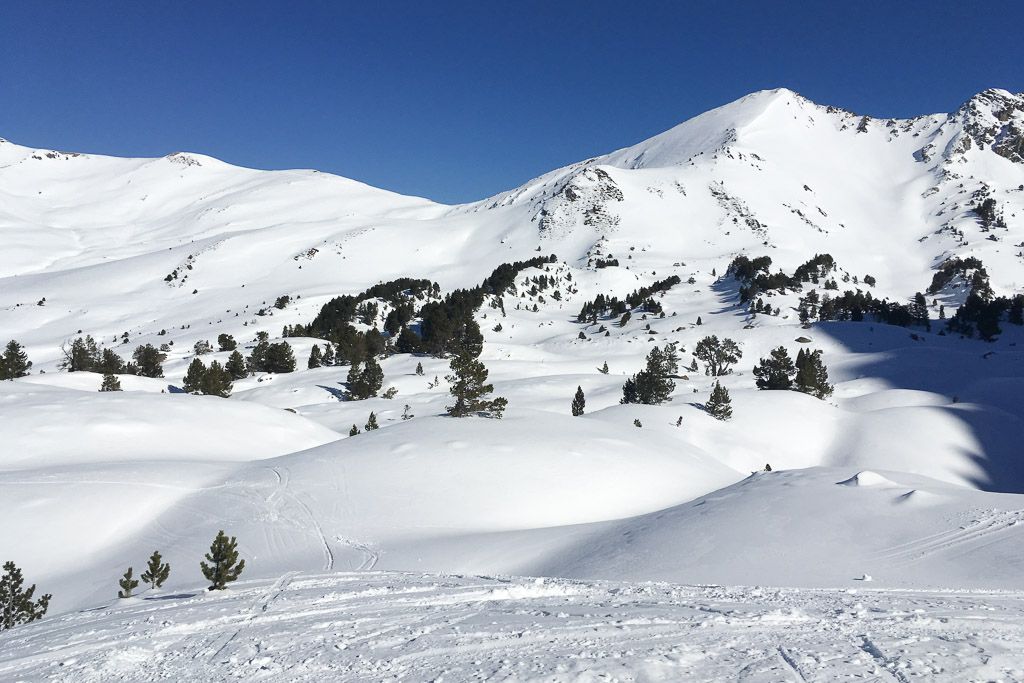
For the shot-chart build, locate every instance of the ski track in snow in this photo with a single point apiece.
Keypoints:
(392, 626)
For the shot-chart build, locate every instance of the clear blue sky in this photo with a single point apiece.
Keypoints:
(458, 100)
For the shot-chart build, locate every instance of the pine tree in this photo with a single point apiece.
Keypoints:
(14, 362)
(216, 381)
(653, 384)
(194, 376)
(156, 572)
(469, 387)
(110, 383)
(110, 363)
(719, 406)
(16, 604)
(406, 414)
(776, 372)
(812, 375)
(236, 365)
(919, 311)
(81, 356)
(718, 356)
(328, 359)
(315, 357)
(226, 342)
(149, 361)
(127, 584)
(604, 368)
(371, 422)
(224, 565)
(578, 402)
(419, 369)
(279, 358)
(354, 431)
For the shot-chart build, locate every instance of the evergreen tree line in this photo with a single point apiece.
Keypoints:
(607, 306)
(85, 355)
(446, 325)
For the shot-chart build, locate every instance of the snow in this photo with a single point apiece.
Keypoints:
(909, 476)
(397, 626)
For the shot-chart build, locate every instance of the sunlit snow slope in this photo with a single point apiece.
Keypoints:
(183, 248)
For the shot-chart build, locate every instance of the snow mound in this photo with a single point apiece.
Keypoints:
(867, 478)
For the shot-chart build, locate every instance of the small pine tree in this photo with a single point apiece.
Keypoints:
(193, 381)
(14, 362)
(637, 423)
(469, 387)
(226, 342)
(316, 358)
(579, 402)
(328, 359)
(236, 365)
(224, 565)
(776, 372)
(812, 375)
(110, 383)
(371, 422)
(719, 406)
(127, 584)
(604, 368)
(16, 604)
(157, 571)
(406, 414)
(419, 369)
(149, 361)
(216, 381)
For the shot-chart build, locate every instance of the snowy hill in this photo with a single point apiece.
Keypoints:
(910, 472)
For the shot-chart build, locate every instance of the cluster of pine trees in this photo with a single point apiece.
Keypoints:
(215, 380)
(807, 375)
(266, 357)
(85, 355)
(14, 362)
(607, 306)
(220, 567)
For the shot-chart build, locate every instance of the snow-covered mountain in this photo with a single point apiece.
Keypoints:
(910, 472)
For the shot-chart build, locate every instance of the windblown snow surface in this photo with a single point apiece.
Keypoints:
(889, 529)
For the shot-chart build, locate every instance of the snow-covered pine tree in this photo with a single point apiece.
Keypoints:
(371, 422)
(224, 565)
(157, 571)
(315, 357)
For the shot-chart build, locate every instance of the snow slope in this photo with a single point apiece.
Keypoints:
(393, 626)
(923, 431)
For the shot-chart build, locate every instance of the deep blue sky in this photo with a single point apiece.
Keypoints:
(458, 100)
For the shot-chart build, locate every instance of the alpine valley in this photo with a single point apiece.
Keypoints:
(779, 345)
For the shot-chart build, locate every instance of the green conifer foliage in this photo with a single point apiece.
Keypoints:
(222, 565)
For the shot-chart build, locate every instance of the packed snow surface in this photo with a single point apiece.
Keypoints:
(384, 626)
